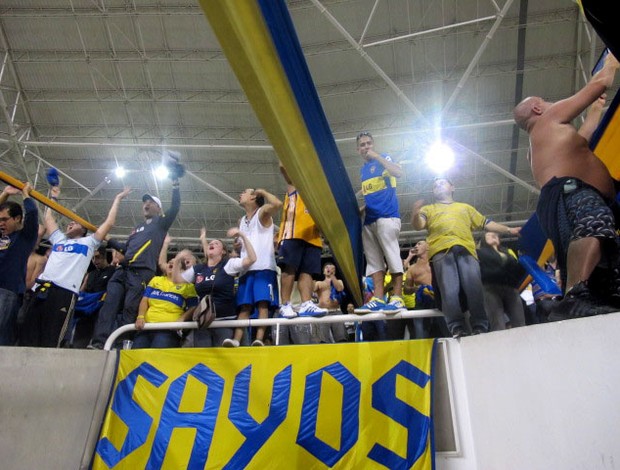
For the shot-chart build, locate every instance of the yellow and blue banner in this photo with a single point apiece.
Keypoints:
(356, 405)
(260, 42)
(605, 142)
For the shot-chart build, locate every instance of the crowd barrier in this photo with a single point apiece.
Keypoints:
(344, 318)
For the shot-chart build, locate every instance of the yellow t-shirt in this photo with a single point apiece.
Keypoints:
(167, 300)
(451, 224)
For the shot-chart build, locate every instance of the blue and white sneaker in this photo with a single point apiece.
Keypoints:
(310, 309)
(286, 311)
(395, 305)
(374, 305)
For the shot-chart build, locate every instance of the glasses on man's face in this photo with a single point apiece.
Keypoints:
(5, 219)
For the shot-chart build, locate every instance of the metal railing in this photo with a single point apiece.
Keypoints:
(343, 318)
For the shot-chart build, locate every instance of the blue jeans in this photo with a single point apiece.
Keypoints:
(9, 306)
(374, 330)
(156, 339)
(457, 270)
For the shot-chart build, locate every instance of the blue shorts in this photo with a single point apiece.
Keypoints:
(300, 255)
(258, 286)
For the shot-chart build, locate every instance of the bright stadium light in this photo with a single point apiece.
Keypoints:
(440, 157)
(120, 172)
(161, 172)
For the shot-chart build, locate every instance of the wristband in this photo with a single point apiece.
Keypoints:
(140, 317)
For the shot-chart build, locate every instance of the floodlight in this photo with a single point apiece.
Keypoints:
(120, 172)
(161, 172)
(440, 157)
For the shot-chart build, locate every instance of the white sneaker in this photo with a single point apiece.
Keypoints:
(230, 343)
(257, 342)
(286, 311)
(310, 309)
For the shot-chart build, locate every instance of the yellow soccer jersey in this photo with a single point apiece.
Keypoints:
(167, 300)
(451, 224)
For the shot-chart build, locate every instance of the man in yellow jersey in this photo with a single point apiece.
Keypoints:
(452, 252)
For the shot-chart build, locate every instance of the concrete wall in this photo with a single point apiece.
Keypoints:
(48, 398)
(543, 397)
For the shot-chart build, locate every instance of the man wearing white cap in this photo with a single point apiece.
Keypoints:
(141, 252)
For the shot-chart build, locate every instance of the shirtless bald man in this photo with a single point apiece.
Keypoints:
(575, 207)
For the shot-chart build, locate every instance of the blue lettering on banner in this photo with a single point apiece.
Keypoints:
(137, 420)
(349, 428)
(256, 434)
(203, 422)
(384, 399)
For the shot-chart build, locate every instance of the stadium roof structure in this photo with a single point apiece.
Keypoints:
(89, 85)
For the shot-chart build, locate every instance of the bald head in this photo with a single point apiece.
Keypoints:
(530, 107)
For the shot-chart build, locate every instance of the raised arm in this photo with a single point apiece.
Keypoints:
(251, 254)
(394, 168)
(501, 228)
(418, 220)
(407, 261)
(203, 241)
(338, 284)
(270, 208)
(9, 191)
(110, 220)
(568, 109)
(49, 221)
(31, 216)
(593, 117)
(175, 205)
(162, 261)
(178, 268)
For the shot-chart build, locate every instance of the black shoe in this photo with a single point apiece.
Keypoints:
(478, 330)
(579, 302)
(459, 332)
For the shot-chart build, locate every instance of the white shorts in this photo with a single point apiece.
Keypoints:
(380, 241)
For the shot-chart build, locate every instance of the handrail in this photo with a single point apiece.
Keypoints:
(192, 325)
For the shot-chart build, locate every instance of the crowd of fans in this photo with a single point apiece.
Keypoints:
(75, 293)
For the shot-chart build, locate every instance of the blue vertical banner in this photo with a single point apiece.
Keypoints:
(260, 42)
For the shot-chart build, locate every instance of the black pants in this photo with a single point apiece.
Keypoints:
(123, 296)
(47, 316)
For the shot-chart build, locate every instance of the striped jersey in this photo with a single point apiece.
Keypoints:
(297, 223)
(167, 300)
(379, 190)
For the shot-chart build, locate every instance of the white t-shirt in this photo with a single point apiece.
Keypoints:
(69, 260)
(261, 238)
